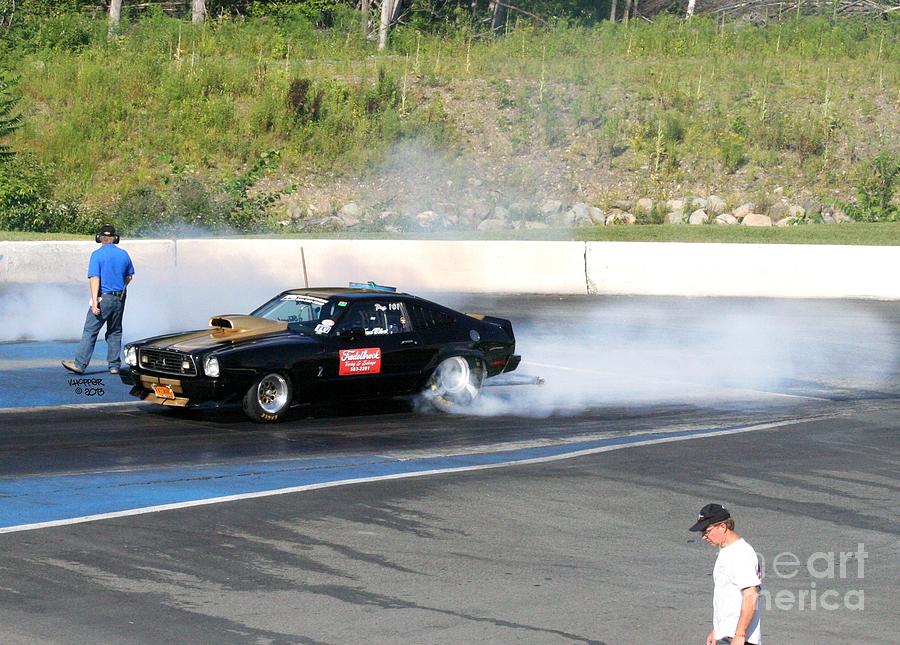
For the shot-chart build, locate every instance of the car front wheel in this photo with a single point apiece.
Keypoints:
(455, 383)
(269, 398)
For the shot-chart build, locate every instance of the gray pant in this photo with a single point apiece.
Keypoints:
(111, 309)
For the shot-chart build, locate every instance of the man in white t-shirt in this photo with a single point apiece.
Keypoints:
(736, 577)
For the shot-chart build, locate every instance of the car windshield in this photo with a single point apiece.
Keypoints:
(302, 313)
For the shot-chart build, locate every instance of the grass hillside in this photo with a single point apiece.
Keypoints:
(253, 125)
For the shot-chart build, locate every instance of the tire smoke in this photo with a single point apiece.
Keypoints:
(666, 350)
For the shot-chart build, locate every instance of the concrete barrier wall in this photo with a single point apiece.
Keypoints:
(529, 267)
(67, 262)
(277, 264)
(513, 267)
(769, 270)
(266, 266)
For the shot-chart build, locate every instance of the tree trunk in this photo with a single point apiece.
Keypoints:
(498, 16)
(6, 16)
(198, 11)
(390, 10)
(384, 25)
(690, 8)
(115, 15)
(627, 12)
(365, 7)
(612, 11)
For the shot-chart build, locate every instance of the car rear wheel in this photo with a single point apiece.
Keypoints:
(269, 398)
(455, 383)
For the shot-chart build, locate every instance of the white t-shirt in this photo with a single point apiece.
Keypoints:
(737, 568)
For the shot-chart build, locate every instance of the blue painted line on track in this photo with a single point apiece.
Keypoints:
(23, 384)
(41, 499)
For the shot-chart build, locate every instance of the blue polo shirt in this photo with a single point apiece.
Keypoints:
(111, 264)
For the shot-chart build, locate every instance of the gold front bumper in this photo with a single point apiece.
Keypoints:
(147, 383)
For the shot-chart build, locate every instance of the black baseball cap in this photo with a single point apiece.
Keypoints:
(709, 515)
(107, 230)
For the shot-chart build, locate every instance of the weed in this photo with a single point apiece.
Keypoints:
(9, 120)
(384, 95)
(433, 125)
(302, 102)
(762, 201)
(552, 128)
(659, 139)
(504, 94)
(732, 151)
(878, 179)
(247, 211)
(610, 142)
(739, 126)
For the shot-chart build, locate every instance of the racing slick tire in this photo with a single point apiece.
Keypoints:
(269, 398)
(455, 383)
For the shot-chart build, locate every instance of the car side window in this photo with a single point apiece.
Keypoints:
(378, 318)
(431, 317)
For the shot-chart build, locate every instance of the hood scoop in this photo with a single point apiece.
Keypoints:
(237, 324)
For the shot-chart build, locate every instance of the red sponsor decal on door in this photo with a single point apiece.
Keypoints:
(360, 361)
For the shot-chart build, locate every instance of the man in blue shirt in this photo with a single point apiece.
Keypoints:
(109, 272)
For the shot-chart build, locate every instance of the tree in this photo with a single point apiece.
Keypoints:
(365, 9)
(198, 11)
(115, 15)
(7, 11)
(390, 11)
(498, 15)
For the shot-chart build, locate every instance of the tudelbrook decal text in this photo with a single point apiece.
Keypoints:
(87, 386)
(360, 361)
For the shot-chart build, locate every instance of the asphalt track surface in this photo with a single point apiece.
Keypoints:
(550, 517)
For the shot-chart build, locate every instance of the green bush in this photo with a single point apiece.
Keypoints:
(732, 151)
(247, 209)
(193, 205)
(294, 15)
(878, 179)
(739, 126)
(67, 32)
(26, 199)
(32, 25)
(303, 101)
(142, 211)
(385, 94)
(25, 189)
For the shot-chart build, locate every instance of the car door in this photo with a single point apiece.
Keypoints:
(374, 350)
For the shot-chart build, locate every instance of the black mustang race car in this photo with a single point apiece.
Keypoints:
(308, 345)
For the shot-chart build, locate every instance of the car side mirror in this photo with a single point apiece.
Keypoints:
(354, 333)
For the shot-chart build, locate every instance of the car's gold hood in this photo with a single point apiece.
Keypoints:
(224, 329)
(248, 325)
